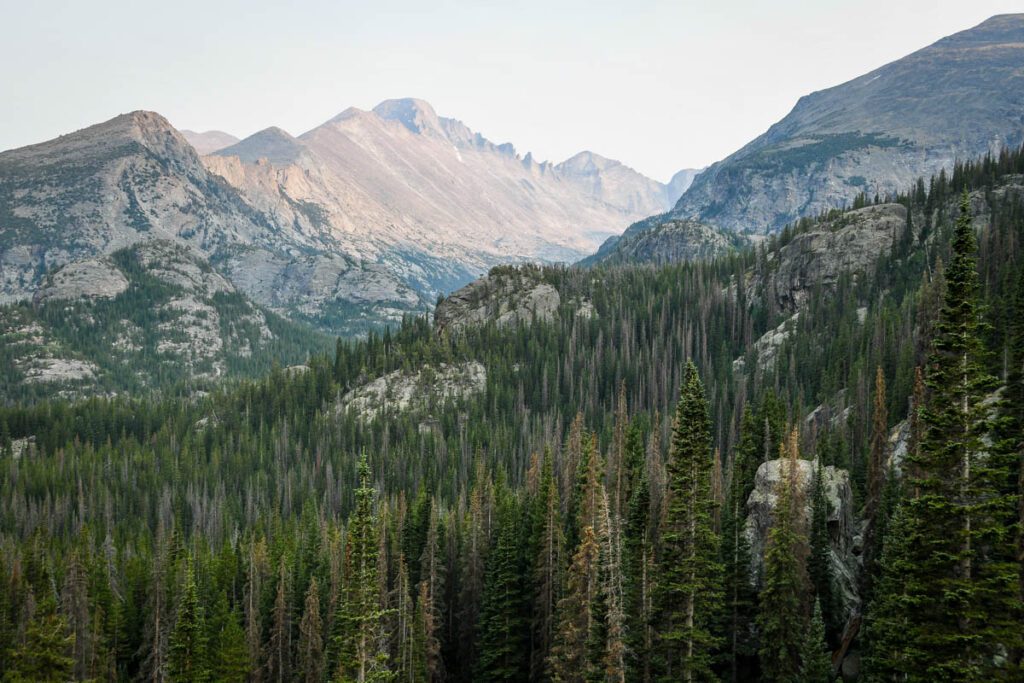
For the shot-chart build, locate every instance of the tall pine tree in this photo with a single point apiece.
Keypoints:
(689, 576)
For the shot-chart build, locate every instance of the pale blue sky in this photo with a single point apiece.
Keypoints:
(658, 85)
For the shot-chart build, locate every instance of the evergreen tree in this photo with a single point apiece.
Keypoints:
(781, 620)
(45, 654)
(503, 655)
(639, 575)
(364, 655)
(959, 583)
(819, 564)
(875, 481)
(229, 654)
(548, 549)
(278, 656)
(815, 660)
(689, 576)
(187, 660)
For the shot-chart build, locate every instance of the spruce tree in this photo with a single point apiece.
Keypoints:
(502, 629)
(364, 655)
(781, 619)
(958, 579)
(819, 564)
(815, 658)
(187, 659)
(547, 565)
(228, 652)
(740, 596)
(572, 656)
(876, 474)
(689, 576)
(310, 667)
(45, 654)
(639, 572)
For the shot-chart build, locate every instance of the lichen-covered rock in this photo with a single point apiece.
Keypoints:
(841, 521)
(415, 390)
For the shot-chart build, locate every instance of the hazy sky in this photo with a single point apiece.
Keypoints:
(658, 85)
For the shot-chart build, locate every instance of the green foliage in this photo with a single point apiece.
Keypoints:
(689, 575)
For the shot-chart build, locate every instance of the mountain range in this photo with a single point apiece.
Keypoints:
(954, 100)
(366, 217)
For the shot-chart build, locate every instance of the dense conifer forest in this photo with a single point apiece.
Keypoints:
(585, 517)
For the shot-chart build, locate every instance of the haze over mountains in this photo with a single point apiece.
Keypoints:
(956, 99)
(354, 223)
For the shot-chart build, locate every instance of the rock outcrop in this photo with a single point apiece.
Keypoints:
(670, 241)
(851, 243)
(507, 296)
(842, 524)
(957, 99)
(150, 311)
(419, 390)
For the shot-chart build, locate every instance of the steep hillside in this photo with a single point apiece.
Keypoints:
(956, 99)
(152, 316)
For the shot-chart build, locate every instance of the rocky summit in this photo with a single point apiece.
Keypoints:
(353, 224)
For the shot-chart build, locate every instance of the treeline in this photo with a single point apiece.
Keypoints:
(582, 519)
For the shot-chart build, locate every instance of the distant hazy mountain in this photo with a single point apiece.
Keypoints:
(401, 178)
(879, 133)
(210, 141)
(358, 221)
(681, 182)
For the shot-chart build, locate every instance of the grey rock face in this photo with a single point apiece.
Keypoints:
(668, 242)
(196, 323)
(96, 278)
(841, 521)
(421, 389)
(361, 220)
(508, 296)
(850, 243)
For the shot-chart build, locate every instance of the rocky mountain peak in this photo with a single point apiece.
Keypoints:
(416, 115)
(273, 144)
(586, 163)
(209, 141)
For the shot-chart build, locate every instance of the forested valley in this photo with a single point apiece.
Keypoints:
(636, 493)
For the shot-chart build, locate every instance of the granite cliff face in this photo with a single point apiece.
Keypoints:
(666, 242)
(506, 296)
(848, 244)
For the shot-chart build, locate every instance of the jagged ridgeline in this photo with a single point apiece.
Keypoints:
(523, 477)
